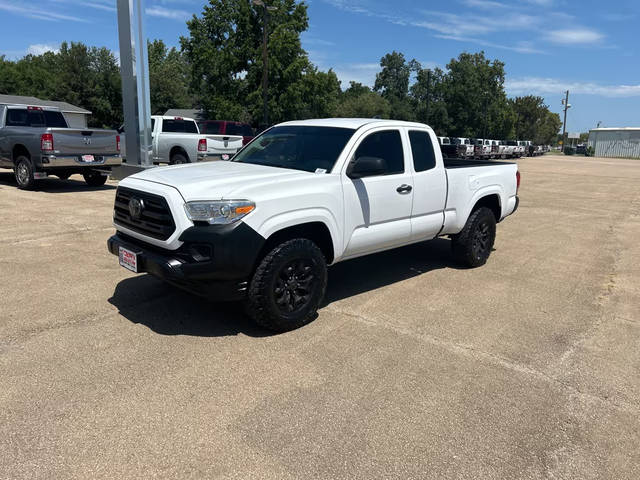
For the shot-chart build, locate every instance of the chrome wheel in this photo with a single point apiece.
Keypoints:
(22, 173)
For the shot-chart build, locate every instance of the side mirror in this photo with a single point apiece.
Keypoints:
(366, 167)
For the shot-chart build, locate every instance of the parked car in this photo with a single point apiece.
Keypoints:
(177, 140)
(36, 142)
(522, 148)
(513, 150)
(303, 195)
(224, 127)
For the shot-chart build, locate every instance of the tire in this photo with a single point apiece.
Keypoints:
(23, 171)
(94, 179)
(178, 159)
(473, 245)
(294, 268)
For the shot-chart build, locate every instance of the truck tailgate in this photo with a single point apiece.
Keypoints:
(84, 141)
(228, 144)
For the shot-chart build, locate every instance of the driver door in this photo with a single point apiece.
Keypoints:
(378, 203)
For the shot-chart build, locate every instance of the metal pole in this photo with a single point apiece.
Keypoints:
(265, 70)
(134, 70)
(564, 126)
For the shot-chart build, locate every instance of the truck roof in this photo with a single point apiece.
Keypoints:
(353, 123)
(172, 117)
(35, 107)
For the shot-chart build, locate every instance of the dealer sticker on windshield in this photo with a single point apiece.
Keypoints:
(128, 259)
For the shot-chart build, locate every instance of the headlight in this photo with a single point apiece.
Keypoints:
(218, 212)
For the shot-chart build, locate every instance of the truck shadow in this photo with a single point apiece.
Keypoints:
(55, 185)
(169, 311)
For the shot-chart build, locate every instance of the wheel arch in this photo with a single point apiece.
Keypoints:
(316, 231)
(178, 149)
(19, 149)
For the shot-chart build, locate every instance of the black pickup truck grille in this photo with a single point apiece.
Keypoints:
(155, 218)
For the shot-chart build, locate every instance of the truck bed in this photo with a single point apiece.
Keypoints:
(463, 162)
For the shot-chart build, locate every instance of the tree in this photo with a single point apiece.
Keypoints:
(428, 99)
(534, 121)
(168, 78)
(393, 84)
(224, 49)
(475, 97)
(358, 101)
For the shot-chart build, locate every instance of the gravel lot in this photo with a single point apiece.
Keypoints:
(526, 368)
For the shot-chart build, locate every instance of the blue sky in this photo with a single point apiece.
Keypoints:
(589, 47)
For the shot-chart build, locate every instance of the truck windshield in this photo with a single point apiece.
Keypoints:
(310, 149)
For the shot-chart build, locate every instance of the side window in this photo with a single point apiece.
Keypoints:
(17, 118)
(424, 157)
(386, 145)
(190, 127)
(153, 124)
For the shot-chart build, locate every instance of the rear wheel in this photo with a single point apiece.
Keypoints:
(23, 171)
(94, 179)
(473, 245)
(178, 159)
(288, 286)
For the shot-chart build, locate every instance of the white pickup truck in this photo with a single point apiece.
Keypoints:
(303, 195)
(177, 140)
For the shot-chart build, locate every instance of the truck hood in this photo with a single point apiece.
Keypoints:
(217, 180)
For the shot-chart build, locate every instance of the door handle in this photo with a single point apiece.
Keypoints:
(402, 189)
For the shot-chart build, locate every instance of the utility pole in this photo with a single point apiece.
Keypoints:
(564, 126)
(265, 59)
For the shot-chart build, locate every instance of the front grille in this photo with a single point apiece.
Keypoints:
(155, 219)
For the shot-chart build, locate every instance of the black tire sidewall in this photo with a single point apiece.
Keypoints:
(261, 302)
(178, 159)
(463, 242)
(94, 179)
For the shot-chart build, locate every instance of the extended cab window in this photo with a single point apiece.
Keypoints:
(386, 145)
(423, 156)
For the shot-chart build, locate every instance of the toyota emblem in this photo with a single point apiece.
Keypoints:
(136, 206)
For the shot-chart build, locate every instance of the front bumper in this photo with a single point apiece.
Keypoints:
(74, 161)
(212, 262)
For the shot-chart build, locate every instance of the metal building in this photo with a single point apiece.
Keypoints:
(621, 142)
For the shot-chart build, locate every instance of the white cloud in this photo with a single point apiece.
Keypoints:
(575, 36)
(170, 13)
(36, 12)
(41, 48)
(542, 86)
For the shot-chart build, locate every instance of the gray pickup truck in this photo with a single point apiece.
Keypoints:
(36, 142)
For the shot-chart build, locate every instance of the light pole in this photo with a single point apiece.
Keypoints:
(565, 102)
(265, 59)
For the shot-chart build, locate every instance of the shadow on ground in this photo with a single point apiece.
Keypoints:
(169, 311)
(54, 184)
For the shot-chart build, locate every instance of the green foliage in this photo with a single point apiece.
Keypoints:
(358, 101)
(224, 48)
(169, 75)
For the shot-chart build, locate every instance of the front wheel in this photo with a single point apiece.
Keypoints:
(94, 179)
(288, 286)
(473, 245)
(23, 171)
